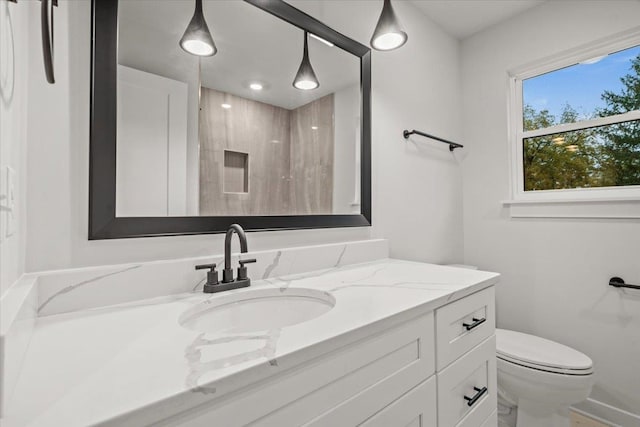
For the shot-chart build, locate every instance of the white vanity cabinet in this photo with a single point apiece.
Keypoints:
(429, 371)
(466, 360)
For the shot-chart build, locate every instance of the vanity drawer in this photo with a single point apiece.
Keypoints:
(464, 324)
(467, 388)
(417, 408)
(343, 388)
(492, 421)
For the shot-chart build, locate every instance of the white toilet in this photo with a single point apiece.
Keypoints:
(538, 380)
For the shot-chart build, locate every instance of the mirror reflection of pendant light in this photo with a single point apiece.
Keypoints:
(197, 39)
(388, 34)
(306, 78)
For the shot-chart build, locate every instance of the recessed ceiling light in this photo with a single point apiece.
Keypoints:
(275, 141)
(255, 86)
(314, 127)
(572, 148)
(226, 106)
(558, 140)
(320, 39)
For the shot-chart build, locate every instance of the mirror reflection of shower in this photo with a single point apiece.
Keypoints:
(231, 134)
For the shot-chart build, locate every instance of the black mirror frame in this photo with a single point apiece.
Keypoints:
(103, 223)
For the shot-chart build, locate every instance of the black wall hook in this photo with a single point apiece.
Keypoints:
(618, 282)
(46, 24)
(53, 2)
(46, 28)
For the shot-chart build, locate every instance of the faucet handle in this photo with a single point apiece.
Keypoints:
(212, 277)
(242, 270)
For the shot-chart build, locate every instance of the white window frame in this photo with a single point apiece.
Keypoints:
(624, 194)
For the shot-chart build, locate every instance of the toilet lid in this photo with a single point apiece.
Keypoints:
(540, 353)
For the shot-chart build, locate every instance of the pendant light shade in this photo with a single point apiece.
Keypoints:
(305, 77)
(388, 34)
(197, 39)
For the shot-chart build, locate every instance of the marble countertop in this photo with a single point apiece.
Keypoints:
(134, 364)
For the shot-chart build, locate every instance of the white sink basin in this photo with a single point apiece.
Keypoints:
(257, 310)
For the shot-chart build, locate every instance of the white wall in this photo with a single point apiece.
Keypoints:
(555, 272)
(417, 190)
(152, 144)
(14, 38)
(346, 125)
(186, 70)
(417, 184)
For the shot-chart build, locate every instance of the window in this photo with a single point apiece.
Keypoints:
(576, 125)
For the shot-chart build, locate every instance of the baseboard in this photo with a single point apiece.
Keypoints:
(607, 414)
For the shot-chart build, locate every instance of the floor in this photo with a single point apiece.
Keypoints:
(579, 420)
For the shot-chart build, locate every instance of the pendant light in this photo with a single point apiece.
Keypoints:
(388, 34)
(197, 39)
(305, 78)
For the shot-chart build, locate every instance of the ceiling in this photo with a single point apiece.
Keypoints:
(149, 42)
(253, 46)
(463, 18)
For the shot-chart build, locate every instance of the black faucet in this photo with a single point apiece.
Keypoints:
(227, 273)
(228, 282)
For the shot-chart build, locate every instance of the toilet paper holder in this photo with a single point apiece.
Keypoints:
(618, 282)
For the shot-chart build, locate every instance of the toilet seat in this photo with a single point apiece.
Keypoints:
(541, 354)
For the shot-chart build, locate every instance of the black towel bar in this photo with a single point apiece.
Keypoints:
(452, 145)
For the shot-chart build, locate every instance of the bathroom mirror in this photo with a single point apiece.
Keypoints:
(186, 144)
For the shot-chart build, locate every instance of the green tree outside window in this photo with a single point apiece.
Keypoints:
(606, 156)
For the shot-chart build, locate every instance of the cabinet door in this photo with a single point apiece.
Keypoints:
(467, 392)
(417, 408)
(151, 178)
